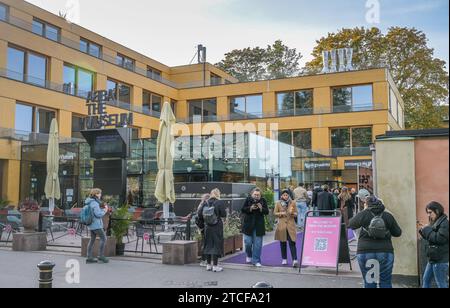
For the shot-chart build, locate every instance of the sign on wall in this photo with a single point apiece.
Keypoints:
(98, 118)
(354, 164)
(318, 165)
(365, 179)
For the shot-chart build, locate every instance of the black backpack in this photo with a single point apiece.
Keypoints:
(209, 214)
(377, 228)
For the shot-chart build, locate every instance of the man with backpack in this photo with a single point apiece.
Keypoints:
(375, 249)
(92, 216)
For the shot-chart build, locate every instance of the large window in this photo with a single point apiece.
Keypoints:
(90, 48)
(77, 81)
(358, 98)
(4, 12)
(351, 141)
(246, 107)
(46, 30)
(27, 66)
(154, 73)
(206, 109)
(121, 90)
(300, 139)
(151, 101)
(295, 103)
(31, 119)
(125, 62)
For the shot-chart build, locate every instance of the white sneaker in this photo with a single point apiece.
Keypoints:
(217, 269)
(203, 264)
(284, 262)
(209, 268)
(295, 264)
(248, 260)
(258, 265)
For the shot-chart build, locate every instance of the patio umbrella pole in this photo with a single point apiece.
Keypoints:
(166, 209)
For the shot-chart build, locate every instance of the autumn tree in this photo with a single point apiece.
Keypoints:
(251, 64)
(421, 78)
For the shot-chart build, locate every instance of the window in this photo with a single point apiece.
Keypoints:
(215, 80)
(154, 134)
(90, 48)
(393, 104)
(77, 81)
(134, 133)
(4, 12)
(295, 103)
(151, 101)
(24, 118)
(300, 140)
(31, 119)
(206, 109)
(122, 91)
(246, 107)
(77, 126)
(154, 73)
(173, 104)
(351, 141)
(46, 30)
(27, 66)
(125, 62)
(358, 98)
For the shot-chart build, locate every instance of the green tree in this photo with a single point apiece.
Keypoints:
(421, 78)
(251, 64)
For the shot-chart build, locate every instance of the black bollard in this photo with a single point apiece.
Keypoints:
(46, 274)
(262, 285)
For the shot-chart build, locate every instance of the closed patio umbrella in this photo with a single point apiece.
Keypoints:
(52, 189)
(165, 189)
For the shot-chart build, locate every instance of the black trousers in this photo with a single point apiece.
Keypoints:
(292, 246)
(213, 258)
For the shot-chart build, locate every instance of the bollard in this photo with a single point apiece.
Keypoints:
(262, 285)
(45, 274)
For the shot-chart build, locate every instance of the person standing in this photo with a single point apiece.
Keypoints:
(286, 211)
(211, 213)
(345, 205)
(316, 191)
(301, 199)
(436, 236)
(254, 227)
(96, 227)
(354, 195)
(201, 226)
(325, 201)
(336, 194)
(375, 241)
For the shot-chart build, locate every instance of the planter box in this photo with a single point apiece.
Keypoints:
(228, 246)
(238, 242)
(29, 241)
(110, 248)
(199, 248)
(179, 252)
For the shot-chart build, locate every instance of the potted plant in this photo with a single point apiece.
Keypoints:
(198, 238)
(4, 206)
(29, 209)
(232, 233)
(269, 196)
(121, 220)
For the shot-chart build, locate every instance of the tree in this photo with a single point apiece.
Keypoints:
(251, 64)
(421, 78)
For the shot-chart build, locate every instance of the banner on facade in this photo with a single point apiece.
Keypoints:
(365, 179)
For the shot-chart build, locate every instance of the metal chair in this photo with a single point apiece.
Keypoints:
(47, 224)
(141, 230)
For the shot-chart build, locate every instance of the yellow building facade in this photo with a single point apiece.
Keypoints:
(47, 66)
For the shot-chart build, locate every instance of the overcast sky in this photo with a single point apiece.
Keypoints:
(169, 30)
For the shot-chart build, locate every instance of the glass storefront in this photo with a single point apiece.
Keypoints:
(238, 158)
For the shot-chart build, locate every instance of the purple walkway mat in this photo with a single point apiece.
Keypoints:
(271, 253)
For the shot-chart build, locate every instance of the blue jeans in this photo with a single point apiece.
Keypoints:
(102, 235)
(371, 280)
(253, 247)
(438, 271)
(302, 208)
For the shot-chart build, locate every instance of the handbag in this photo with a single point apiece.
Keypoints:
(433, 253)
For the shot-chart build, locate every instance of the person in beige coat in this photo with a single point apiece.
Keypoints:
(286, 211)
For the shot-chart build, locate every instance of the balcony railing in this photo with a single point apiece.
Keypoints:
(25, 25)
(333, 152)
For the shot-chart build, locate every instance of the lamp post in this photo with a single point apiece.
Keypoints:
(374, 168)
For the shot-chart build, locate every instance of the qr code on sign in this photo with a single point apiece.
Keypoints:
(321, 244)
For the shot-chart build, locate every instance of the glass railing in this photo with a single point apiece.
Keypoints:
(359, 108)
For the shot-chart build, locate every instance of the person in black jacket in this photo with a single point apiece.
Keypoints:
(325, 201)
(254, 227)
(379, 249)
(213, 238)
(436, 235)
(316, 191)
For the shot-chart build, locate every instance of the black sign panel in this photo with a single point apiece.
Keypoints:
(354, 164)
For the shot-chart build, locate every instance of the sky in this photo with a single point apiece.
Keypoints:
(169, 30)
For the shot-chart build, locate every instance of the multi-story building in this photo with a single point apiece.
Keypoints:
(47, 67)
